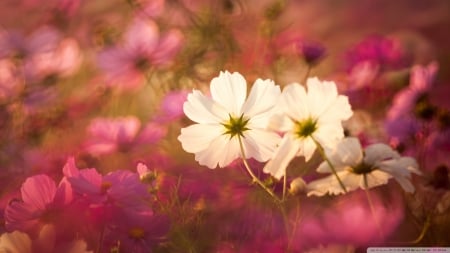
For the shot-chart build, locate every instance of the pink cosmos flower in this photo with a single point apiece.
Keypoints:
(14, 44)
(143, 48)
(171, 107)
(412, 105)
(118, 189)
(42, 202)
(138, 232)
(385, 52)
(63, 61)
(109, 135)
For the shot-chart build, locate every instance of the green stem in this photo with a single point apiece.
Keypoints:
(324, 156)
(253, 176)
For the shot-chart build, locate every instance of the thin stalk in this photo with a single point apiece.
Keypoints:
(284, 186)
(308, 70)
(425, 228)
(324, 156)
(372, 207)
(253, 176)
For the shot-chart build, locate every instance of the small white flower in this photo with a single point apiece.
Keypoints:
(363, 169)
(227, 116)
(305, 117)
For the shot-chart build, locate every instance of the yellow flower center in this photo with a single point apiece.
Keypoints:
(305, 128)
(236, 126)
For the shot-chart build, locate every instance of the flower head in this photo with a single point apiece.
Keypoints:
(227, 118)
(144, 47)
(363, 169)
(307, 117)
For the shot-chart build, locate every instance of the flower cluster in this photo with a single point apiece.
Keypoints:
(132, 126)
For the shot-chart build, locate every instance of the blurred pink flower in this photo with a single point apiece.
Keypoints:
(386, 53)
(118, 189)
(14, 44)
(60, 62)
(143, 48)
(42, 202)
(411, 105)
(349, 220)
(10, 81)
(171, 107)
(109, 135)
(139, 232)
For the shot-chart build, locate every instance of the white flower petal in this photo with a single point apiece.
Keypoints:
(347, 153)
(329, 134)
(220, 151)
(260, 144)
(331, 185)
(375, 178)
(285, 152)
(338, 110)
(321, 95)
(294, 102)
(198, 137)
(279, 122)
(230, 91)
(307, 148)
(379, 152)
(202, 109)
(262, 98)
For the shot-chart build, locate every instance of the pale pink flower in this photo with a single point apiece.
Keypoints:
(171, 107)
(109, 135)
(143, 48)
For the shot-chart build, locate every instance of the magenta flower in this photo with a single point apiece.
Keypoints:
(312, 52)
(385, 52)
(42, 202)
(106, 136)
(411, 106)
(143, 48)
(120, 189)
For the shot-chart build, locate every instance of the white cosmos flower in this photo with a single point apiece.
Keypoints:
(363, 169)
(305, 117)
(226, 117)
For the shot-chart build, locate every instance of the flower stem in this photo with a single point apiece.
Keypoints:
(253, 176)
(308, 70)
(372, 207)
(324, 156)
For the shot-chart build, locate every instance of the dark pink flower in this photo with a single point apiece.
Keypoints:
(385, 52)
(143, 48)
(138, 232)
